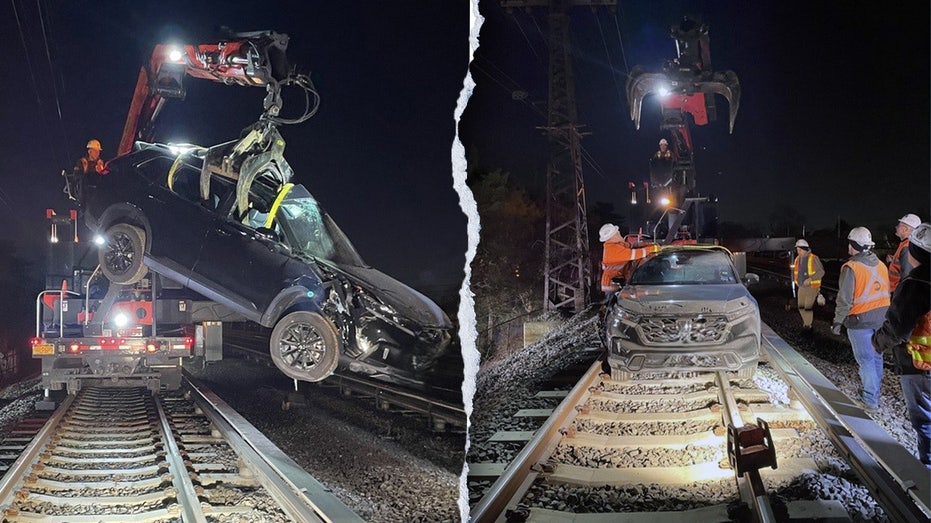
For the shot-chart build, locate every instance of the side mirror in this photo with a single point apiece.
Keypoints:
(751, 279)
(620, 281)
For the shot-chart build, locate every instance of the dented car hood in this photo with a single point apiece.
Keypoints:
(407, 301)
(672, 299)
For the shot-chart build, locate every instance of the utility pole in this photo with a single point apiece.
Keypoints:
(567, 267)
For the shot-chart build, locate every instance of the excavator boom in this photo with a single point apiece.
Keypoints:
(255, 59)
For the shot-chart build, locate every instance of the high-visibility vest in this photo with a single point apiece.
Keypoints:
(811, 271)
(895, 268)
(871, 287)
(616, 259)
(919, 344)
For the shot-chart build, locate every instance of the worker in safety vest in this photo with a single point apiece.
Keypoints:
(862, 301)
(899, 265)
(907, 331)
(86, 165)
(92, 162)
(806, 273)
(663, 153)
(618, 255)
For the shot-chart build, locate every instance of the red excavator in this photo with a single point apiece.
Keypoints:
(685, 85)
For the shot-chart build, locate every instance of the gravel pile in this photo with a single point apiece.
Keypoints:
(636, 457)
(653, 427)
(639, 498)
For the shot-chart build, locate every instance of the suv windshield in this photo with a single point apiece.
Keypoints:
(685, 268)
(311, 232)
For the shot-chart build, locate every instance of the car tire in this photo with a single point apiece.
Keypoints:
(305, 346)
(122, 257)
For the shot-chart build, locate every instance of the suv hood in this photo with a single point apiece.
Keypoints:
(672, 299)
(408, 302)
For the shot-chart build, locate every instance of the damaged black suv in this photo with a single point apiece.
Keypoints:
(266, 250)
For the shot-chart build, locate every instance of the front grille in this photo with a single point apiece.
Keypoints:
(684, 329)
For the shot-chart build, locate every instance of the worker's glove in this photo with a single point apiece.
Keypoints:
(835, 329)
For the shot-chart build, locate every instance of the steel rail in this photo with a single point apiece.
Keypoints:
(301, 496)
(436, 409)
(507, 490)
(187, 495)
(446, 412)
(896, 479)
(19, 469)
(751, 491)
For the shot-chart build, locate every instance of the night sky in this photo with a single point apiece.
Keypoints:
(834, 118)
(376, 155)
(833, 121)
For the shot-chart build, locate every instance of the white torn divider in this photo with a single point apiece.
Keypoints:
(466, 314)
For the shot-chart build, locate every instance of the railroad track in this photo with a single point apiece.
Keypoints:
(124, 454)
(652, 445)
(440, 415)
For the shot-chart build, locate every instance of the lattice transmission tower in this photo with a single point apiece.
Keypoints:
(567, 269)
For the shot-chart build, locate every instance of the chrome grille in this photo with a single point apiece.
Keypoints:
(684, 329)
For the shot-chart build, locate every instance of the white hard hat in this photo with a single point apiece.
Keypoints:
(663, 142)
(802, 243)
(911, 220)
(921, 236)
(607, 231)
(94, 144)
(862, 236)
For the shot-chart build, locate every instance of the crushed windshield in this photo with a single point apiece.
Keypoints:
(311, 232)
(685, 268)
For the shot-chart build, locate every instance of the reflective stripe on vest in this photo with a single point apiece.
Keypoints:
(619, 256)
(871, 287)
(895, 268)
(919, 344)
(811, 270)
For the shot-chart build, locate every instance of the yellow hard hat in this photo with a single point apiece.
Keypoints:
(94, 144)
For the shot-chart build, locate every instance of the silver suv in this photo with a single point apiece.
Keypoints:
(684, 309)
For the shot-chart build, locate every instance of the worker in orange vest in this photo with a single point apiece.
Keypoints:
(92, 162)
(618, 255)
(908, 326)
(806, 273)
(899, 265)
(862, 301)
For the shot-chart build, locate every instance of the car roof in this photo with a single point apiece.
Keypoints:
(693, 247)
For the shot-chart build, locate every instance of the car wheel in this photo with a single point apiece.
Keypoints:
(121, 259)
(305, 346)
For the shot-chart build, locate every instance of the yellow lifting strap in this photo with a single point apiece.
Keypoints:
(274, 210)
(171, 173)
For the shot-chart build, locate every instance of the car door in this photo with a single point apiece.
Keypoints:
(243, 265)
(176, 216)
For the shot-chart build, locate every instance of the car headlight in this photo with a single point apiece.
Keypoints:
(382, 310)
(619, 319)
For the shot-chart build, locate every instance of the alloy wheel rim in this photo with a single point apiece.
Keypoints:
(120, 253)
(302, 347)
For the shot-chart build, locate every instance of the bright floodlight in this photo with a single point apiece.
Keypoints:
(120, 320)
(175, 54)
(98, 240)
(664, 201)
(663, 91)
